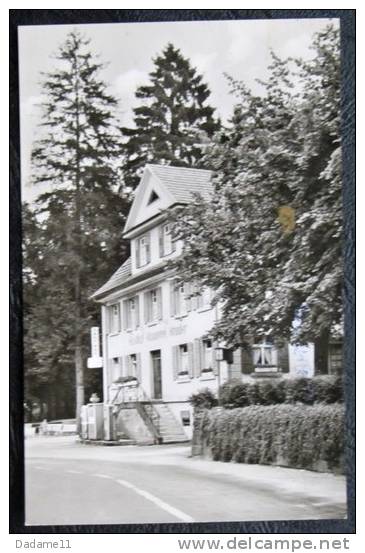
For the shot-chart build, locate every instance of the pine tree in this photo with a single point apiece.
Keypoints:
(172, 114)
(269, 241)
(82, 214)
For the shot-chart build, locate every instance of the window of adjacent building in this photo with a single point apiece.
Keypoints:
(263, 355)
(114, 319)
(131, 313)
(207, 354)
(166, 243)
(153, 305)
(143, 251)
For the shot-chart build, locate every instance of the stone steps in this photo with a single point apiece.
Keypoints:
(170, 429)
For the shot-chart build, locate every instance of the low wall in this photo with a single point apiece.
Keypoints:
(297, 436)
(130, 424)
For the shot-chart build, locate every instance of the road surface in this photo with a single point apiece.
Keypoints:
(71, 483)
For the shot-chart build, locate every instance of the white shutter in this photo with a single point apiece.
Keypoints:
(191, 359)
(138, 253)
(161, 240)
(125, 314)
(139, 368)
(197, 357)
(175, 361)
(148, 248)
(136, 308)
(159, 303)
(172, 298)
(146, 307)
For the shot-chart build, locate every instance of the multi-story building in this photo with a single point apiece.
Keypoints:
(156, 345)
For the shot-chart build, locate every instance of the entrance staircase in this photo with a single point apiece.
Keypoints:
(170, 430)
(156, 415)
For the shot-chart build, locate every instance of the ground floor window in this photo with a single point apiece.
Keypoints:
(263, 355)
(183, 359)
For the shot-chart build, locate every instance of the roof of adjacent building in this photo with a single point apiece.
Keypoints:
(117, 278)
(182, 182)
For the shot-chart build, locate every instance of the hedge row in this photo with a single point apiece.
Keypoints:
(235, 393)
(308, 437)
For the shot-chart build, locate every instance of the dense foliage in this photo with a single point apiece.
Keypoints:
(72, 234)
(310, 437)
(203, 399)
(269, 240)
(172, 115)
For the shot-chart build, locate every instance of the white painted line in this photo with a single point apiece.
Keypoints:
(74, 471)
(165, 506)
(103, 476)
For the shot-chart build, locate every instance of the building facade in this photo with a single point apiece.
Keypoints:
(155, 331)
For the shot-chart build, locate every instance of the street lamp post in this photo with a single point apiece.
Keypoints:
(219, 357)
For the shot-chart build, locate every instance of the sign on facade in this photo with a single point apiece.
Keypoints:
(95, 361)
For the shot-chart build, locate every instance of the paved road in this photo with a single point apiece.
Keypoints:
(70, 483)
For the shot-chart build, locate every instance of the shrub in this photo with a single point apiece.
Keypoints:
(234, 393)
(320, 389)
(204, 399)
(300, 436)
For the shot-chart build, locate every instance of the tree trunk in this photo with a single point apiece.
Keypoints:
(321, 348)
(80, 391)
(79, 369)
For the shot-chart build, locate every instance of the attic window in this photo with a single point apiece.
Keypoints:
(154, 196)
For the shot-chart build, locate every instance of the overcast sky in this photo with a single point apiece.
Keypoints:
(240, 48)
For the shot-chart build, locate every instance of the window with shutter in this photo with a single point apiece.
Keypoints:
(207, 355)
(183, 361)
(143, 251)
(153, 305)
(114, 312)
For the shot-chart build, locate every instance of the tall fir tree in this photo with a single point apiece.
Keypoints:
(273, 254)
(82, 214)
(172, 117)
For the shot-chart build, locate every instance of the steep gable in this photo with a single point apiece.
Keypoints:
(162, 186)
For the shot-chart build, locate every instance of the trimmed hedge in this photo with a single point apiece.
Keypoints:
(320, 389)
(308, 437)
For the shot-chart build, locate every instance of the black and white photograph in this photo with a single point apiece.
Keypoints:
(183, 271)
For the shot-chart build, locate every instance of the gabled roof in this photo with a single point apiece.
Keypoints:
(172, 185)
(182, 182)
(117, 278)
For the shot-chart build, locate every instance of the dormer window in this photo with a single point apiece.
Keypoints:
(167, 245)
(143, 252)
